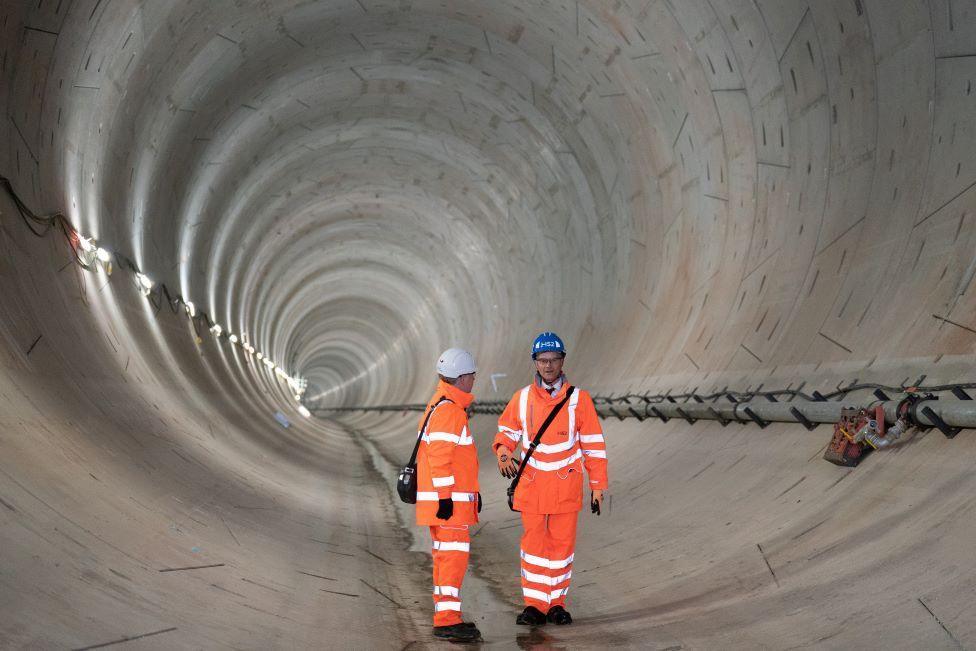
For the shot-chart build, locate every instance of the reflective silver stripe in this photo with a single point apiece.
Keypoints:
(591, 438)
(543, 596)
(597, 454)
(502, 428)
(441, 482)
(442, 436)
(571, 410)
(554, 465)
(446, 590)
(447, 437)
(545, 580)
(447, 605)
(546, 562)
(568, 444)
(431, 496)
(514, 436)
(523, 418)
(451, 546)
(535, 594)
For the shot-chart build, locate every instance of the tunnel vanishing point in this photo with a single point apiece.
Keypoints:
(698, 195)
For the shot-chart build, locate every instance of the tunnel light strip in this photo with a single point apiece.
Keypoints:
(88, 253)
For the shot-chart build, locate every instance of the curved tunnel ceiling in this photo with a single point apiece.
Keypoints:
(694, 194)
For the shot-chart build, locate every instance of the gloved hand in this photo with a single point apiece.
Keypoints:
(445, 508)
(506, 462)
(596, 500)
(479, 501)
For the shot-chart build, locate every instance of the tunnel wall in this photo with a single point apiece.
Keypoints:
(694, 194)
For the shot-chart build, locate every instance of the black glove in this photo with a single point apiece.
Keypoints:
(479, 501)
(594, 505)
(445, 508)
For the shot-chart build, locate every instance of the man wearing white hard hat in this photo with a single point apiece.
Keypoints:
(448, 500)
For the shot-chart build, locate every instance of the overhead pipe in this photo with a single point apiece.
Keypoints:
(949, 416)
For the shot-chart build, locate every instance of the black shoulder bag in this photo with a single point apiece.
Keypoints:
(407, 480)
(535, 443)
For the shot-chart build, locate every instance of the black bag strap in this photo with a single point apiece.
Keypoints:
(420, 435)
(538, 437)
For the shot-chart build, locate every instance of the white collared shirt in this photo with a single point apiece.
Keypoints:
(551, 389)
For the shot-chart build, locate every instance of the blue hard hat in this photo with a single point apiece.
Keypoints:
(548, 342)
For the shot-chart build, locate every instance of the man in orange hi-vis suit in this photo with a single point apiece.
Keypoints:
(448, 500)
(550, 491)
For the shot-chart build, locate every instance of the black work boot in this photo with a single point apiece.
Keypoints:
(531, 616)
(559, 616)
(464, 632)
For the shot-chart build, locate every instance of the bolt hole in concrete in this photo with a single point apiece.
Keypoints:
(236, 204)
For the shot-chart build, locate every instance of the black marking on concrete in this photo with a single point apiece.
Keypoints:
(191, 567)
(818, 452)
(795, 484)
(702, 470)
(345, 594)
(835, 342)
(385, 596)
(953, 198)
(824, 551)
(317, 576)
(360, 43)
(236, 594)
(268, 612)
(839, 480)
(34, 344)
(127, 638)
(229, 530)
(737, 462)
(958, 325)
(751, 353)
(765, 560)
(38, 29)
(7, 504)
(806, 531)
(119, 574)
(376, 556)
(261, 585)
(936, 618)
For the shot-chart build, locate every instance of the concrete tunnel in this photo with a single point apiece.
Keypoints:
(697, 195)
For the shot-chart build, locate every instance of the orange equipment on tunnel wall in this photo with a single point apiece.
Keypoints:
(846, 447)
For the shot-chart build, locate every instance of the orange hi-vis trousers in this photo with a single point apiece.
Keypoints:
(548, 546)
(451, 545)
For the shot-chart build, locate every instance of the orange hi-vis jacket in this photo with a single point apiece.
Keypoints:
(447, 460)
(553, 479)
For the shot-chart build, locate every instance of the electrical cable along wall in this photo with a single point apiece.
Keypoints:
(719, 205)
(88, 254)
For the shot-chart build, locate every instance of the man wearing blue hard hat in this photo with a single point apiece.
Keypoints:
(560, 434)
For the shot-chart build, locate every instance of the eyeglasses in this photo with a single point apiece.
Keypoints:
(545, 361)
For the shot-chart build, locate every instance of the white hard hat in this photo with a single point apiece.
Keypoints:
(455, 362)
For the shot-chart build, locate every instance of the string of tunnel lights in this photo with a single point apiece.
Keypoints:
(89, 254)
